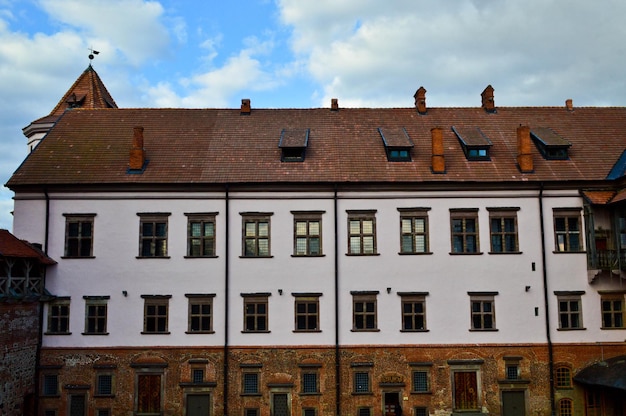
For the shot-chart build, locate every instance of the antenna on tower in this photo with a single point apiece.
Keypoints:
(91, 55)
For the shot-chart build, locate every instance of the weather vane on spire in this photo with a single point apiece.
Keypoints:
(91, 55)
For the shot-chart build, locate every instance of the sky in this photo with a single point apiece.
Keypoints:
(302, 53)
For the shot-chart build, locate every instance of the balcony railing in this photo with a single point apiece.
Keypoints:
(608, 260)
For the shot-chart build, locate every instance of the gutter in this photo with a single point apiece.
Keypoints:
(545, 301)
(40, 312)
(226, 296)
(337, 352)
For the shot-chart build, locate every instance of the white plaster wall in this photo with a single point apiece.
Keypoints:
(447, 278)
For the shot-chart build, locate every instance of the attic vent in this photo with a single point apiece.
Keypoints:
(550, 145)
(75, 101)
(474, 143)
(488, 102)
(293, 144)
(397, 144)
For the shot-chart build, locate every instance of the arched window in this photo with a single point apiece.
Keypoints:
(563, 376)
(566, 407)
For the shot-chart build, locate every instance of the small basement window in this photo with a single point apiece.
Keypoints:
(550, 145)
(474, 143)
(293, 144)
(397, 144)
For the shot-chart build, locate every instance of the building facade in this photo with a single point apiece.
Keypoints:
(331, 261)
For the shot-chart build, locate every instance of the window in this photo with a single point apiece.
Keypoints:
(613, 311)
(149, 394)
(104, 385)
(255, 312)
(155, 314)
(153, 235)
(96, 315)
(365, 411)
(59, 316)
(413, 311)
(307, 239)
(482, 309)
(512, 371)
(251, 412)
(361, 232)
(593, 403)
(420, 411)
(293, 144)
(503, 230)
(464, 226)
(419, 381)
(413, 230)
(550, 144)
(474, 143)
(256, 234)
(200, 313)
(397, 144)
(364, 311)
(103, 412)
(309, 411)
(563, 376)
(566, 407)
(50, 385)
(79, 235)
(197, 375)
(570, 310)
(50, 412)
(307, 311)
(251, 383)
(201, 235)
(567, 234)
(362, 382)
(309, 382)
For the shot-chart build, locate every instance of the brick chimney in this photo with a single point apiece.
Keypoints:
(524, 157)
(420, 100)
(137, 154)
(438, 160)
(245, 106)
(334, 104)
(488, 102)
(569, 104)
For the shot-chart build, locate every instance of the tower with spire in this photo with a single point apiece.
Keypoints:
(88, 91)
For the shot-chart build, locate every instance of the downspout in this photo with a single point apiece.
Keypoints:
(545, 301)
(226, 295)
(40, 312)
(337, 352)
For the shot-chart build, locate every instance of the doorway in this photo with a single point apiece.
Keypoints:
(198, 404)
(513, 403)
(391, 405)
(280, 404)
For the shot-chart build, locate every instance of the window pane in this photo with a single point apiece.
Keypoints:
(496, 225)
(160, 229)
(264, 228)
(314, 245)
(314, 228)
(301, 228)
(368, 227)
(407, 245)
(406, 226)
(355, 245)
(195, 229)
(368, 244)
(420, 225)
(470, 225)
(264, 247)
(250, 229)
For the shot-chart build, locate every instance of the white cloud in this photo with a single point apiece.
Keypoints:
(373, 53)
(130, 26)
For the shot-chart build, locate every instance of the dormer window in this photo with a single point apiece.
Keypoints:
(550, 145)
(397, 144)
(293, 144)
(474, 143)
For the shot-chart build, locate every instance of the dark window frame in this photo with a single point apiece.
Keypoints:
(308, 218)
(304, 318)
(413, 316)
(360, 219)
(103, 388)
(153, 235)
(78, 236)
(482, 311)
(155, 318)
(464, 218)
(96, 315)
(197, 315)
(613, 311)
(501, 238)
(570, 310)
(256, 319)
(201, 245)
(251, 238)
(365, 311)
(563, 230)
(409, 231)
(59, 317)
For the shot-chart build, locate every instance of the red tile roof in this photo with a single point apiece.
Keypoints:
(11, 246)
(217, 146)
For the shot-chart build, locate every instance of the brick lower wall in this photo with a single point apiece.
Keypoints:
(19, 328)
(279, 369)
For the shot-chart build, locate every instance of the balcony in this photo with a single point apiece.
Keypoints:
(607, 260)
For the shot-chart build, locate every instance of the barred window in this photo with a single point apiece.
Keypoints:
(361, 382)
(420, 381)
(197, 375)
(563, 376)
(420, 411)
(250, 383)
(309, 382)
(50, 385)
(104, 384)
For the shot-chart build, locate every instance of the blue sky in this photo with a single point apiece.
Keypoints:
(302, 53)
